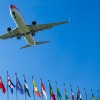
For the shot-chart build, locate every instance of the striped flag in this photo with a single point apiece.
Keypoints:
(43, 90)
(36, 89)
(72, 93)
(10, 84)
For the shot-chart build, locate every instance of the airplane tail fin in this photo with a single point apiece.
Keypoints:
(37, 43)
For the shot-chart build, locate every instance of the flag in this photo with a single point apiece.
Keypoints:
(19, 86)
(36, 89)
(66, 96)
(51, 92)
(43, 90)
(98, 98)
(72, 93)
(2, 86)
(10, 84)
(78, 95)
(26, 88)
(85, 94)
(93, 98)
(58, 94)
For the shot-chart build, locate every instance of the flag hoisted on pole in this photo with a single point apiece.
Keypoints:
(59, 96)
(18, 87)
(33, 89)
(72, 92)
(78, 94)
(65, 92)
(85, 94)
(98, 95)
(51, 92)
(26, 90)
(43, 91)
(2, 86)
(93, 98)
(10, 84)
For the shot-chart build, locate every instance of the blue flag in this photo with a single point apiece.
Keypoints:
(18, 86)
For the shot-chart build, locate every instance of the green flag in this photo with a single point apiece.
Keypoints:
(59, 94)
(26, 88)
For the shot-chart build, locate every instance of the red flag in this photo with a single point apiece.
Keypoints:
(2, 86)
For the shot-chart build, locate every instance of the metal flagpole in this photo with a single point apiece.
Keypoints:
(41, 87)
(49, 89)
(24, 88)
(65, 91)
(16, 87)
(98, 94)
(56, 89)
(7, 87)
(33, 89)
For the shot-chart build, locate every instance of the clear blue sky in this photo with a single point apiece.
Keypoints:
(72, 56)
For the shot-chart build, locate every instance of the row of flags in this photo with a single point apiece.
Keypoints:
(25, 91)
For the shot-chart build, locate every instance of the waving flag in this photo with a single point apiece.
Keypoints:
(43, 90)
(78, 95)
(58, 94)
(72, 93)
(85, 94)
(36, 89)
(93, 98)
(2, 86)
(51, 92)
(66, 96)
(26, 88)
(19, 86)
(10, 84)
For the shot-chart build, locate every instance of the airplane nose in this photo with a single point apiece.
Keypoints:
(12, 6)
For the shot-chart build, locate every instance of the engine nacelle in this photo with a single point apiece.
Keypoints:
(35, 26)
(9, 30)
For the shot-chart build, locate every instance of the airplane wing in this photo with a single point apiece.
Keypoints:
(47, 26)
(14, 33)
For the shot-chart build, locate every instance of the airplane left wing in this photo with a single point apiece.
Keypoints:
(11, 34)
(46, 26)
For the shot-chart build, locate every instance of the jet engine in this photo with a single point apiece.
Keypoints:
(9, 30)
(35, 26)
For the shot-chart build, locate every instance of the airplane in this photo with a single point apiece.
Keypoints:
(24, 30)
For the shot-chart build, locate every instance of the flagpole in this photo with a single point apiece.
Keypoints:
(33, 89)
(56, 89)
(49, 88)
(41, 87)
(7, 87)
(24, 89)
(98, 93)
(16, 87)
(64, 91)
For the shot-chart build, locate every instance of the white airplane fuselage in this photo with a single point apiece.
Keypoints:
(22, 27)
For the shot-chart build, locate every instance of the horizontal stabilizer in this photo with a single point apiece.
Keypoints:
(28, 45)
(37, 43)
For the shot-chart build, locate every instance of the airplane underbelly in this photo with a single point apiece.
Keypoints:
(30, 40)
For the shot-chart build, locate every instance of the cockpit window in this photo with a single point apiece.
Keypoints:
(13, 13)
